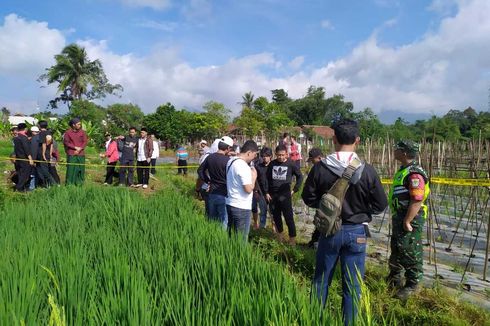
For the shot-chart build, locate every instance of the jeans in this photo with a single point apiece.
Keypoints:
(122, 172)
(239, 221)
(348, 244)
(260, 203)
(153, 163)
(217, 209)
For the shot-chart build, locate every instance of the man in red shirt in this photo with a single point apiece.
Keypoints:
(75, 141)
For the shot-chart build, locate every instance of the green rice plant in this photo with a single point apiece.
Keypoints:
(112, 256)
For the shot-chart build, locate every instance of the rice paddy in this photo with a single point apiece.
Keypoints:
(92, 256)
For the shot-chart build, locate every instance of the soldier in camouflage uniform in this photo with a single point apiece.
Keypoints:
(407, 198)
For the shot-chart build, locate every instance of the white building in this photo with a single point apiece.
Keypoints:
(15, 120)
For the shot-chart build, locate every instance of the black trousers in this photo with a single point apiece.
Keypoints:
(123, 170)
(54, 173)
(143, 172)
(153, 163)
(24, 171)
(182, 163)
(282, 204)
(46, 178)
(110, 169)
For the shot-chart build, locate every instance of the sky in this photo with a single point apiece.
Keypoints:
(407, 58)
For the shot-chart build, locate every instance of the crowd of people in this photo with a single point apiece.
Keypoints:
(242, 185)
(35, 156)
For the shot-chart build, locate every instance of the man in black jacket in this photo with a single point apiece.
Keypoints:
(364, 197)
(278, 191)
(213, 172)
(127, 146)
(259, 203)
(24, 163)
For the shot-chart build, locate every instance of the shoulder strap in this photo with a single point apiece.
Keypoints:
(351, 169)
(231, 163)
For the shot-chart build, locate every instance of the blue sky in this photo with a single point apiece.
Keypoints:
(404, 56)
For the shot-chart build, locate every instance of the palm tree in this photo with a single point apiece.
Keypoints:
(5, 114)
(247, 100)
(77, 76)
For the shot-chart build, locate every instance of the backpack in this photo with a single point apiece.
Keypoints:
(327, 217)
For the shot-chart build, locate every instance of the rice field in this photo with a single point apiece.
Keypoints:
(93, 256)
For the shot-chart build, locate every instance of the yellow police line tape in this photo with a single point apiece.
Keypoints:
(102, 165)
(385, 181)
(452, 182)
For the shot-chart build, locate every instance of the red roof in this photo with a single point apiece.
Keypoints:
(322, 131)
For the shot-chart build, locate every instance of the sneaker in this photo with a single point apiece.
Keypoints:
(138, 185)
(145, 186)
(106, 184)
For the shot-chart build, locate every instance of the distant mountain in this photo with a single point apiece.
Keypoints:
(389, 117)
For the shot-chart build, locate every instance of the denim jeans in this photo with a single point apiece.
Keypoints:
(348, 244)
(217, 209)
(259, 205)
(239, 221)
(263, 211)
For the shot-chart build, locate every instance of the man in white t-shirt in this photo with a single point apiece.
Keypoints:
(240, 181)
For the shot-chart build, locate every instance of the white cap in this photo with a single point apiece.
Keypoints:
(227, 140)
(34, 128)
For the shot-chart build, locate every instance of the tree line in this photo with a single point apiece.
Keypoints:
(80, 81)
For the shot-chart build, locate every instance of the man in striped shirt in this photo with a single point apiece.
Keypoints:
(182, 157)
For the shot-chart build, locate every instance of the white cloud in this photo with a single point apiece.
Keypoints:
(326, 24)
(297, 62)
(154, 4)
(197, 9)
(27, 47)
(158, 25)
(443, 7)
(447, 68)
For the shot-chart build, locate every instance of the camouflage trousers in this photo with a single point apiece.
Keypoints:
(406, 251)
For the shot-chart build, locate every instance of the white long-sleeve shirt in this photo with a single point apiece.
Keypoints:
(156, 150)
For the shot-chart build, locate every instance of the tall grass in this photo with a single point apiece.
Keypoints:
(92, 256)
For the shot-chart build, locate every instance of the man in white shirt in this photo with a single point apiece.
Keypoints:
(154, 155)
(144, 150)
(240, 181)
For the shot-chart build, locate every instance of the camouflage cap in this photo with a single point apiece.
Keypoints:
(407, 146)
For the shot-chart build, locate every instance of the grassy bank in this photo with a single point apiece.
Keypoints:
(113, 256)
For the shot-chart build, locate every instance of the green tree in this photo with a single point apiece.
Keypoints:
(87, 111)
(247, 100)
(218, 110)
(77, 77)
(442, 128)
(280, 97)
(401, 130)
(336, 108)
(165, 123)
(369, 124)
(120, 117)
(250, 121)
